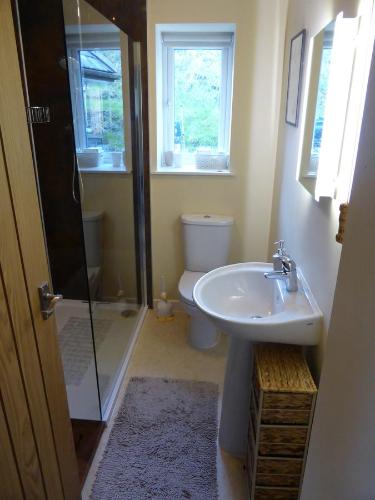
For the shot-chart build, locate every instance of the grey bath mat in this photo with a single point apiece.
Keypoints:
(75, 340)
(162, 444)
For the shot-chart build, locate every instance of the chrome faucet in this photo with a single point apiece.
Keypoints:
(288, 271)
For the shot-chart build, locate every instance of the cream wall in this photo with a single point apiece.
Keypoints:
(112, 194)
(247, 195)
(308, 227)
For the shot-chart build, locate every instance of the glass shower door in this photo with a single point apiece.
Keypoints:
(100, 65)
(88, 161)
(42, 47)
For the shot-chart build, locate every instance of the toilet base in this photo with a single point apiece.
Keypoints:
(203, 335)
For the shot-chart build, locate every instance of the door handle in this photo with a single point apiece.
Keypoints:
(48, 300)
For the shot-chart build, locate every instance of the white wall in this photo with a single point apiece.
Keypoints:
(308, 227)
(257, 82)
(341, 458)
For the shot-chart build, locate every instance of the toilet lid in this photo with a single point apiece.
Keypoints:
(186, 285)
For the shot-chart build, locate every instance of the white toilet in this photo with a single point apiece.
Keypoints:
(206, 245)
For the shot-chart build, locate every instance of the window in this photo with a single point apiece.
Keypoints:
(195, 98)
(320, 108)
(100, 100)
(325, 57)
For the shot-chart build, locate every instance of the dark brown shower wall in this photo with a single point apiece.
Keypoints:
(41, 29)
(128, 15)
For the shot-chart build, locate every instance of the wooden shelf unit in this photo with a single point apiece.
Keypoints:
(281, 409)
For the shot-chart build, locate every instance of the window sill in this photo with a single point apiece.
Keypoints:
(102, 169)
(310, 175)
(186, 171)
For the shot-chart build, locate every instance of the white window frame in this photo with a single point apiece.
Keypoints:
(190, 36)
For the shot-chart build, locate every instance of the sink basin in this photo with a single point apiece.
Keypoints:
(250, 308)
(243, 303)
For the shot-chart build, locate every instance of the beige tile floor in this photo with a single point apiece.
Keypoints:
(162, 350)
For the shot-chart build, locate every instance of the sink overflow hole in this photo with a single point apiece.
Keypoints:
(256, 317)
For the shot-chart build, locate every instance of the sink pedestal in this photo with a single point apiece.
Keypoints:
(236, 398)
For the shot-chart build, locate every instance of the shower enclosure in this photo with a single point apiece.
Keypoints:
(89, 165)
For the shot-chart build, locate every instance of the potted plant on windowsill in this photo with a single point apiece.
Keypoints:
(114, 144)
(88, 158)
(209, 160)
(116, 159)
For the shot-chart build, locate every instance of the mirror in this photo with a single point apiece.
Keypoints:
(327, 98)
(320, 65)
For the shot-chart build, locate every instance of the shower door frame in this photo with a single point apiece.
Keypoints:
(30, 36)
(130, 16)
(141, 194)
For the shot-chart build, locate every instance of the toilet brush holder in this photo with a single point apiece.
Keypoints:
(164, 309)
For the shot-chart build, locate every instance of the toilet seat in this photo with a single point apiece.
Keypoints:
(186, 286)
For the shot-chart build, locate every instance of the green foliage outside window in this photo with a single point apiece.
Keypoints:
(197, 79)
(104, 109)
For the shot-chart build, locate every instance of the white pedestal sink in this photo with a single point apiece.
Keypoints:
(249, 308)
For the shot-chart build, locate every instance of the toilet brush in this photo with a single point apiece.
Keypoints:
(164, 307)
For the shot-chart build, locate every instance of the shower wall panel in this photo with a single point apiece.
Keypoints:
(43, 45)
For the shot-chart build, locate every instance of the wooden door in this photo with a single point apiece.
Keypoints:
(37, 457)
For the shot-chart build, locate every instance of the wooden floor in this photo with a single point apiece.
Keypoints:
(86, 434)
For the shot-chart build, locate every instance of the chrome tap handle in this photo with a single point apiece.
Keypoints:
(288, 264)
(290, 268)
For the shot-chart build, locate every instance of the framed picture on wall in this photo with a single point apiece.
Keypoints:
(297, 48)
